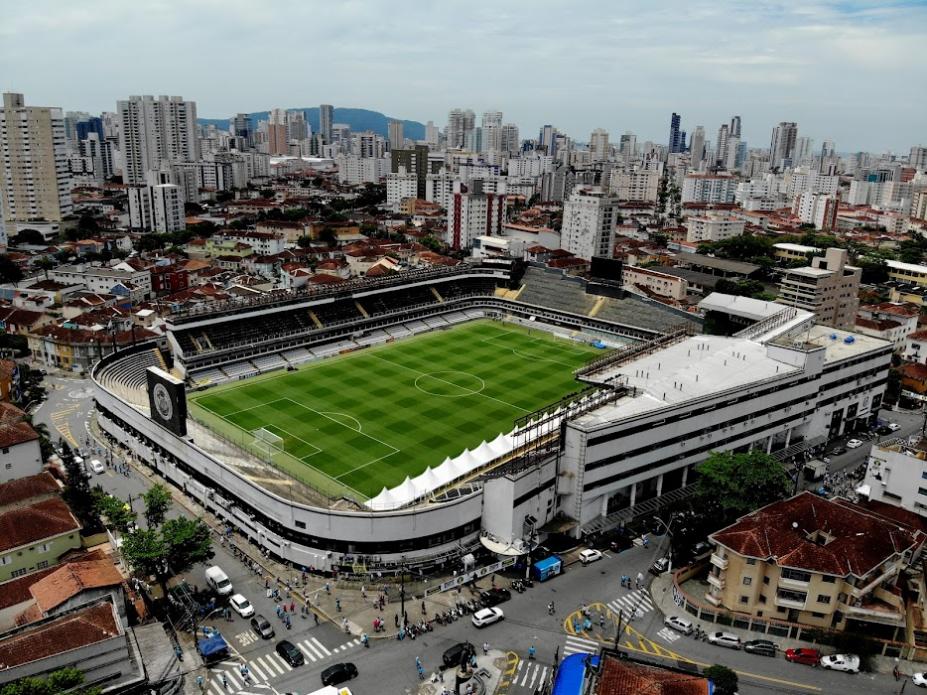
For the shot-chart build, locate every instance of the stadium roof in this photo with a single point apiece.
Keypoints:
(739, 267)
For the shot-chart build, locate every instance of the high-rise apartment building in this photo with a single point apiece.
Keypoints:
(677, 140)
(589, 223)
(471, 213)
(491, 136)
(240, 127)
(277, 140)
(460, 125)
(819, 209)
(735, 126)
(432, 134)
(782, 145)
(326, 118)
(34, 179)
(509, 142)
(697, 147)
(722, 145)
(547, 139)
(918, 158)
(598, 145)
(396, 137)
(297, 127)
(153, 131)
(628, 144)
(156, 207)
(829, 287)
(412, 161)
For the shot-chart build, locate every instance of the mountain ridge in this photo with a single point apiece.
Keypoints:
(358, 119)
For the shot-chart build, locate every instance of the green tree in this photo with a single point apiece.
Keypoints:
(144, 550)
(88, 223)
(158, 501)
(119, 514)
(9, 271)
(77, 491)
(304, 242)
(64, 680)
(224, 196)
(875, 270)
(28, 236)
(187, 542)
(731, 485)
(740, 247)
(723, 678)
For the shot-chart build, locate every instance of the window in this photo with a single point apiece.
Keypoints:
(796, 575)
(817, 615)
(745, 599)
(762, 598)
(828, 579)
(5, 560)
(751, 560)
(300, 524)
(44, 548)
(823, 598)
(766, 580)
(748, 581)
(18, 573)
(41, 565)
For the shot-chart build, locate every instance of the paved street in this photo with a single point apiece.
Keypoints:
(388, 666)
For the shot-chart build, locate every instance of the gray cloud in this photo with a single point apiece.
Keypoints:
(848, 71)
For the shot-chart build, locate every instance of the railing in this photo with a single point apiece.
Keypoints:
(767, 324)
(620, 357)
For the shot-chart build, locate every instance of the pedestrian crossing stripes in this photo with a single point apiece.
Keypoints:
(578, 645)
(268, 666)
(668, 634)
(530, 675)
(634, 603)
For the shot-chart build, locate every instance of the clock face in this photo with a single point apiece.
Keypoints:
(162, 401)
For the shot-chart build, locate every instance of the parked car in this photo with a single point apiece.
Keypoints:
(841, 662)
(919, 679)
(763, 647)
(724, 639)
(487, 616)
(241, 605)
(893, 426)
(882, 430)
(590, 555)
(290, 653)
(451, 656)
(801, 655)
(682, 625)
(854, 444)
(339, 673)
(262, 627)
(97, 466)
(495, 596)
(659, 566)
(837, 450)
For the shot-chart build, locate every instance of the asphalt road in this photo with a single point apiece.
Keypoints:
(388, 666)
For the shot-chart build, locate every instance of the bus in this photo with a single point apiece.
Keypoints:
(331, 690)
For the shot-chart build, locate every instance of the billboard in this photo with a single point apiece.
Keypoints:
(605, 269)
(167, 398)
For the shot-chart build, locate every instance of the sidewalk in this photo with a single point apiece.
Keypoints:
(661, 591)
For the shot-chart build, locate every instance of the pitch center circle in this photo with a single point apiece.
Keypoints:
(449, 384)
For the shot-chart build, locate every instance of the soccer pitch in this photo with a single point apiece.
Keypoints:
(361, 421)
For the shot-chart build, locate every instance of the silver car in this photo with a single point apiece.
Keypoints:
(724, 639)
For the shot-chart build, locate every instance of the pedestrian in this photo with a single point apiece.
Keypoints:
(338, 604)
(602, 620)
(292, 607)
(287, 620)
(178, 652)
(365, 640)
(423, 608)
(485, 648)
(492, 580)
(531, 652)
(396, 619)
(200, 682)
(344, 624)
(328, 588)
(315, 617)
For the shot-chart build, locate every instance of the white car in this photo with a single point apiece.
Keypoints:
(724, 639)
(893, 426)
(589, 555)
(854, 444)
(97, 466)
(487, 616)
(679, 624)
(241, 605)
(841, 662)
(919, 679)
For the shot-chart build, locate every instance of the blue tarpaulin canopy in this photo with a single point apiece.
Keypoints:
(212, 645)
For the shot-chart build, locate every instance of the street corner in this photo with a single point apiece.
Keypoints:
(508, 667)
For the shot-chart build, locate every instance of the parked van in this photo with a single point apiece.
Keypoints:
(218, 580)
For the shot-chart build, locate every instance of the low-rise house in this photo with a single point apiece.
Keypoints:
(20, 453)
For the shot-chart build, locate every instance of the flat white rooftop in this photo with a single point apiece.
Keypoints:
(835, 343)
(745, 307)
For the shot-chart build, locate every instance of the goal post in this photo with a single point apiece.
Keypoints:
(267, 442)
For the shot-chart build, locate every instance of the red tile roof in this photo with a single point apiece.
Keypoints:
(17, 590)
(73, 578)
(779, 532)
(25, 525)
(22, 489)
(623, 677)
(15, 433)
(79, 629)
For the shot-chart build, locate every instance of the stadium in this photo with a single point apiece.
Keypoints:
(414, 418)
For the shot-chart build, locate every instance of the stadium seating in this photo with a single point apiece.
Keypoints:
(128, 377)
(555, 290)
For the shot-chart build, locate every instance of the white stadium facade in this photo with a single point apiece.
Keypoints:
(654, 408)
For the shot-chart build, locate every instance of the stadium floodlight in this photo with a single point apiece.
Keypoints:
(267, 442)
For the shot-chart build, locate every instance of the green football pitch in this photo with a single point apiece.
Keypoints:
(352, 424)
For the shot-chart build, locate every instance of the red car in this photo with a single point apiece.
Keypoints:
(809, 657)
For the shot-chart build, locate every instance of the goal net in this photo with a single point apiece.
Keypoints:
(267, 442)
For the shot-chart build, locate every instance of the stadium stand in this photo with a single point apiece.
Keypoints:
(129, 378)
(555, 290)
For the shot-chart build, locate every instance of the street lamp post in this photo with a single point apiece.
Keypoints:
(402, 590)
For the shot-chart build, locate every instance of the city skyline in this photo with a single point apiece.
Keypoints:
(821, 65)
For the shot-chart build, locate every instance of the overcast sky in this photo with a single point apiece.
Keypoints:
(854, 72)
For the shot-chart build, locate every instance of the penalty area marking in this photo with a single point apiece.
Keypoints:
(432, 375)
(334, 415)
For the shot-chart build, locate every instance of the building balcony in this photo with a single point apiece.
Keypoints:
(718, 561)
(786, 583)
(716, 581)
(874, 612)
(790, 603)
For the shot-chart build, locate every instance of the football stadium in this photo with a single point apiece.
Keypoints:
(413, 419)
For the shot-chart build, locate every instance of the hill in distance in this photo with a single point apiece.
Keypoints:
(359, 120)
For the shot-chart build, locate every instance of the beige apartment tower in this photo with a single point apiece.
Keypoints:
(34, 180)
(829, 287)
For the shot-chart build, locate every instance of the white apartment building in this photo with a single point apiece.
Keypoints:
(399, 186)
(663, 284)
(589, 223)
(103, 279)
(153, 131)
(642, 185)
(263, 243)
(355, 170)
(156, 208)
(828, 288)
(531, 164)
(708, 188)
(818, 209)
(896, 474)
(439, 188)
(473, 213)
(712, 228)
(34, 174)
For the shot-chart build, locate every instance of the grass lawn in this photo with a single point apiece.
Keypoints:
(356, 423)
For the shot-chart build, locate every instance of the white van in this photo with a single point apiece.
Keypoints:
(218, 580)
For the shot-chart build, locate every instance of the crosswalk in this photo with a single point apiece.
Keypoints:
(579, 645)
(267, 666)
(59, 419)
(531, 675)
(635, 603)
(669, 634)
